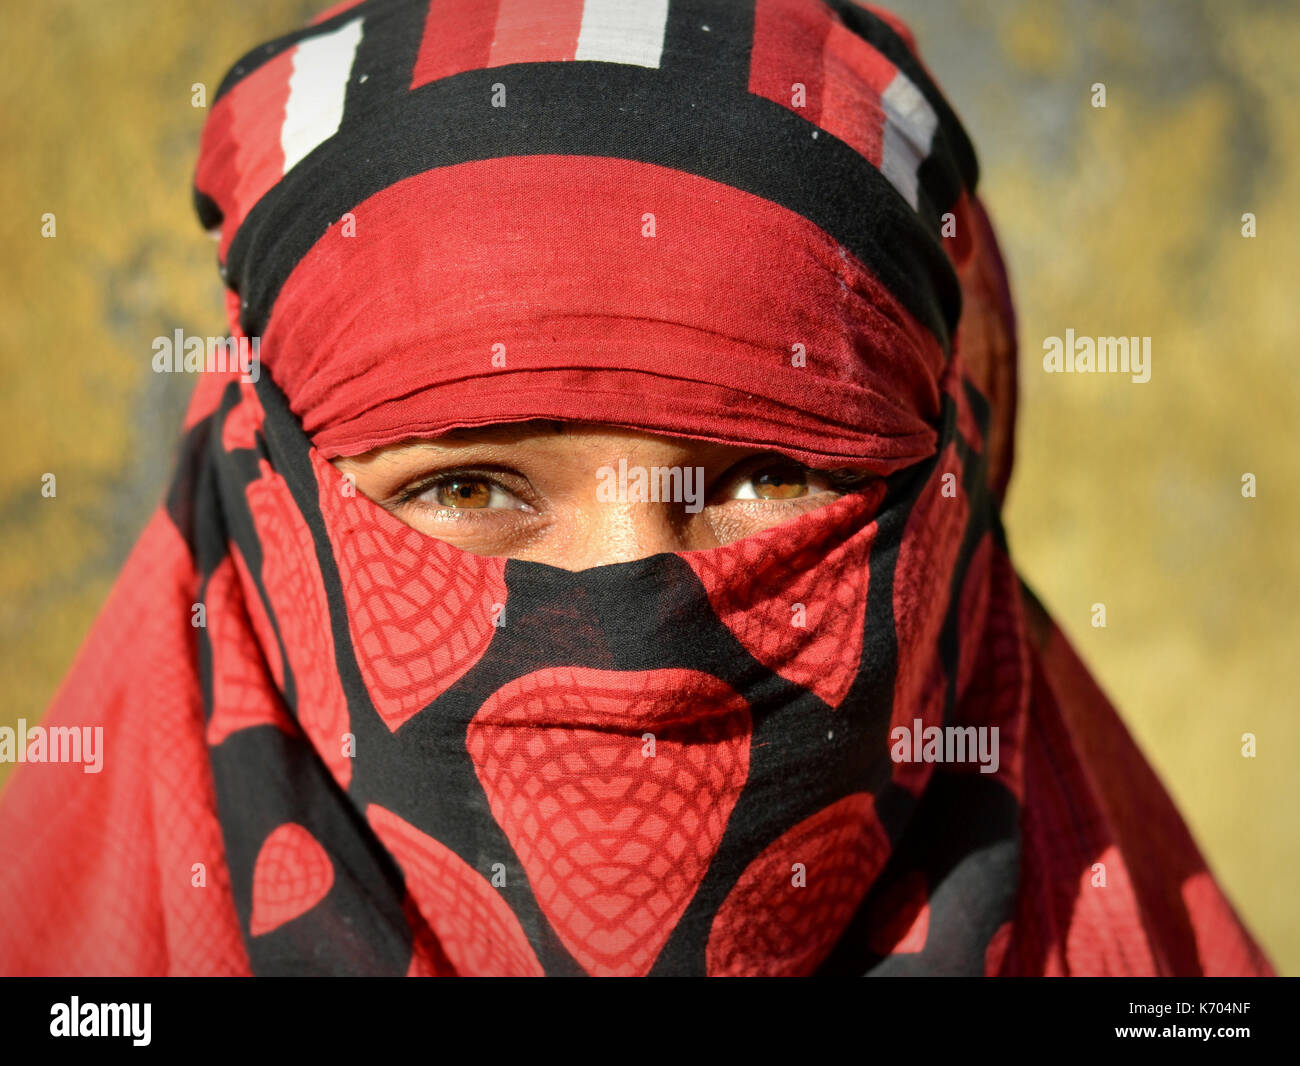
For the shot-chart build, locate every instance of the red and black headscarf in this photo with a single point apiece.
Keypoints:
(752, 223)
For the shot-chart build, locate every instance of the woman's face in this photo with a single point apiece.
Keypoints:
(576, 495)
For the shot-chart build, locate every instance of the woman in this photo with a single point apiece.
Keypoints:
(606, 575)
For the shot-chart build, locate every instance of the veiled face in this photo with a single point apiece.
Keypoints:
(577, 495)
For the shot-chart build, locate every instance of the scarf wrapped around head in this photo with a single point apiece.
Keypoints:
(749, 223)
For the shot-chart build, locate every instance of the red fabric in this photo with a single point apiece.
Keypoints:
(757, 590)
(294, 584)
(773, 926)
(1090, 797)
(786, 32)
(610, 821)
(841, 91)
(113, 852)
(651, 767)
(473, 930)
(468, 254)
(242, 156)
(98, 873)
(292, 875)
(392, 577)
(535, 31)
(457, 37)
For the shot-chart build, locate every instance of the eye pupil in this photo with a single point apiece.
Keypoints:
(786, 483)
(464, 493)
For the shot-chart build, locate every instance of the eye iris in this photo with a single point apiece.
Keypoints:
(464, 494)
(785, 484)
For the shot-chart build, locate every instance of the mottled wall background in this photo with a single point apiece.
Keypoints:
(1117, 221)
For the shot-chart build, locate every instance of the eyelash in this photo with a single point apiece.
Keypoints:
(843, 480)
(417, 489)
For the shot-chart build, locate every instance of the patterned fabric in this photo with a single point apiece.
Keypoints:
(753, 223)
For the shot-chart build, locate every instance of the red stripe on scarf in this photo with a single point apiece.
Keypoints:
(535, 31)
(457, 37)
(241, 157)
(691, 331)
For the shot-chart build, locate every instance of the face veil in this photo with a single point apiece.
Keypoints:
(748, 223)
(647, 762)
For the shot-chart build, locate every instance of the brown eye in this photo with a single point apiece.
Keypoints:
(780, 483)
(468, 491)
(785, 481)
(463, 493)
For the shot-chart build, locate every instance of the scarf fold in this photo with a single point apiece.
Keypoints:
(853, 743)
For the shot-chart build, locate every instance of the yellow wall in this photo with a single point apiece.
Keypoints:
(1122, 221)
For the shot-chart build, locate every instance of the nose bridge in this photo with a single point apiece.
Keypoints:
(624, 531)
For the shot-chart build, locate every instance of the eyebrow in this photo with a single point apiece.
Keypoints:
(497, 435)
